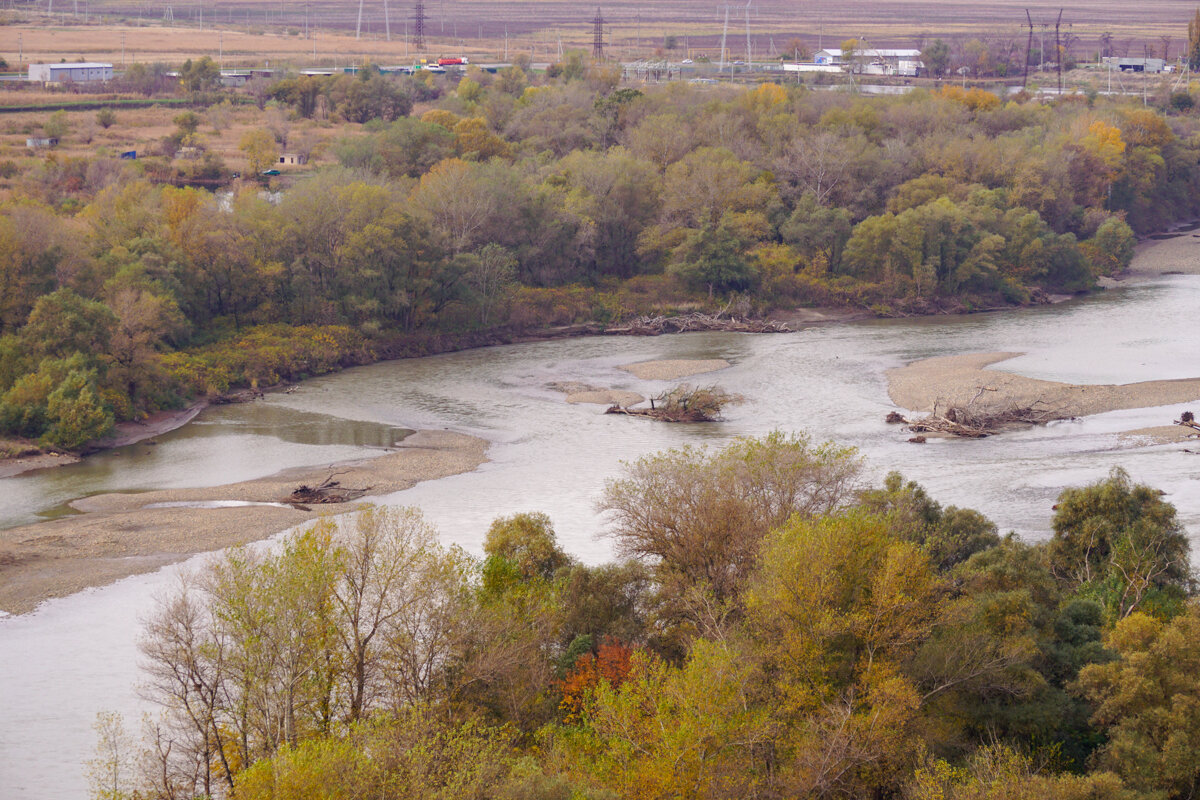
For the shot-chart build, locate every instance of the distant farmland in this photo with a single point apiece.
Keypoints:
(639, 28)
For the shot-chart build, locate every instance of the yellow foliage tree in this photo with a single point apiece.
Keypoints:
(260, 149)
(1105, 141)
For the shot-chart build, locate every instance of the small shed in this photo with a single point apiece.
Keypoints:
(293, 158)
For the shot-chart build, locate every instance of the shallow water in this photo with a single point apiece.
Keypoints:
(73, 657)
(224, 444)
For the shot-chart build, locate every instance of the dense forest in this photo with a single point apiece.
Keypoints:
(775, 628)
(492, 204)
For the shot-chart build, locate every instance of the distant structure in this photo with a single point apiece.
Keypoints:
(77, 72)
(871, 61)
(1136, 64)
(598, 36)
(419, 26)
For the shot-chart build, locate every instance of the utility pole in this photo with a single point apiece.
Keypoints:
(1058, 50)
(387, 25)
(748, 53)
(419, 26)
(598, 36)
(724, 33)
(1028, 47)
(358, 27)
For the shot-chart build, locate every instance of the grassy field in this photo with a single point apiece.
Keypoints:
(256, 32)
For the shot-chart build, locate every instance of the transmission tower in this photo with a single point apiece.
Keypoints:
(598, 36)
(419, 26)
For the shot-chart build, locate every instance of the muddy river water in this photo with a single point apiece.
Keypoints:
(76, 656)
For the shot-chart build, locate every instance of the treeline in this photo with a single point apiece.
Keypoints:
(775, 629)
(513, 202)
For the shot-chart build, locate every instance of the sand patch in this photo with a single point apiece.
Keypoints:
(606, 397)
(673, 369)
(578, 392)
(1159, 434)
(118, 536)
(955, 380)
(1180, 254)
(15, 466)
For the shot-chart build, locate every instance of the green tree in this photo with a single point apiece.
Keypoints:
(1121, 543)
(714, 258)
(201, 75)
(936, 57)
(63, 323)
(820, 233)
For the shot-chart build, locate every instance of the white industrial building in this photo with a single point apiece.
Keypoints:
(77, 72)
(874, 61)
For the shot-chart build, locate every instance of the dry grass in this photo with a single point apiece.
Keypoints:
(143, 129)
(259, 31)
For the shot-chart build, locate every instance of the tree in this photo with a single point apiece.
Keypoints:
(260, 149)
(667, 732)
(63, 323)
(613, 196)
(1148, 703)
(525, 544)
(110, 773)
(1121, 543)
(713, 259)
(836, 607)
(1112, 246)
(1193, 53)
(201, 75)
(375, 96)
(936, 57)
(492, 274)
(699, 516)
(949, 536)
(817, 164)
(818, 232)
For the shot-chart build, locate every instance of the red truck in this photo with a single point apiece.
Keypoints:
(451, 62)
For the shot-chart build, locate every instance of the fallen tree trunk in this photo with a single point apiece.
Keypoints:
(328, 491)
(969, 422)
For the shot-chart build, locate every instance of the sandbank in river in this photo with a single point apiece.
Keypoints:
(118, 535)
(956, 380)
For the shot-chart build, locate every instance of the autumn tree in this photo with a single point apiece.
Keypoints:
(260, 149)
(698, 516)
(1148, 703)
(837, 606)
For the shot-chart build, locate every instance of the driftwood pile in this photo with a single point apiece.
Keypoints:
(689, 323)
(969, 422)
(328, 491)
(1188, 420)
(684, 403)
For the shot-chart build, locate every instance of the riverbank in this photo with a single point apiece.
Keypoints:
(117, 535)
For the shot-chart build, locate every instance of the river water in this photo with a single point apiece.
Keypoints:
(76, 656)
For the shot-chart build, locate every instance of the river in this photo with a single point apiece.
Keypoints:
(76, 656)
